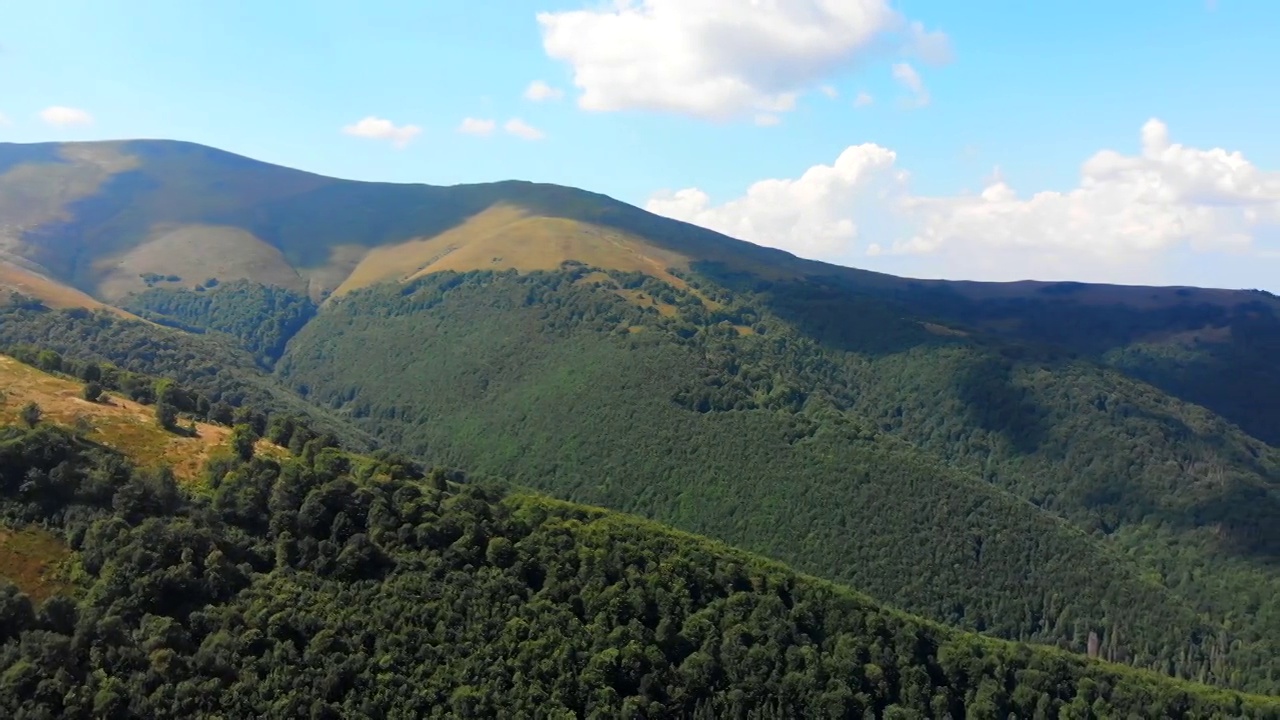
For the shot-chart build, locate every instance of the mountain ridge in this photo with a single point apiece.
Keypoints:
(555, 200)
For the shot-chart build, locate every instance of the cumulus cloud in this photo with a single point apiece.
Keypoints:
(60, 116)
(1127, 214)
(476, 126)
(375, 128)
(830, 91)
(721, 59)
(863, 99)
(907, 77)
(522, 129)
(539, 91)
(768, 120)
(4, 120)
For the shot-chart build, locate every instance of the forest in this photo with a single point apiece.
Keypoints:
(329, 584)
(1061, 497)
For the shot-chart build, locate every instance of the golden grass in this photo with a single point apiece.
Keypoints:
(50, 292)
(118, 423)
(195, 253)
(30, 558)
(508, 237)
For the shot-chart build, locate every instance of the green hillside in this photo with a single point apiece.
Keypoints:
(331, 585)
(1034, 499)
(1036, 461)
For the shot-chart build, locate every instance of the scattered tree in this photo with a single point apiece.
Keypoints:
(31, 414)
(92, 391)
(167, 415)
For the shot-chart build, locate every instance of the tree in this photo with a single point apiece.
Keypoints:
(243, 439)
(49, 361)
(91, 372)
(92, 391)
(167, 415)
(31, 414)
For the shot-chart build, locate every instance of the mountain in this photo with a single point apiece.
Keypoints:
(1037, 461)
(328, 584)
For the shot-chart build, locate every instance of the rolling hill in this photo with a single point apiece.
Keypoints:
(327, 584)
(1037, 461)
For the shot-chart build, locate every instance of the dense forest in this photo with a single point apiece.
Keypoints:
(327, 584)
(261, 317)
(1061, 497)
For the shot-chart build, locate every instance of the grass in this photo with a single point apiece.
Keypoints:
(121, 424)
(507, 237)
(31, 559)
(50, 292)
(194, 253)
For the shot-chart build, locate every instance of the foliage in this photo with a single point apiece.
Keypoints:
(335, 585)
(262, 318)
(30, 414)
(818, 447)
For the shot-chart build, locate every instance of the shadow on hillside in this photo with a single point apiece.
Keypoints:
(830, 313)
(1237, 379)
(994, 403)
(1246, 519)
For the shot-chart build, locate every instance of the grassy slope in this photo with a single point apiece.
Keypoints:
(117, 423)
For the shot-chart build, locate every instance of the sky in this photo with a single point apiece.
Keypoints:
(1089, 140)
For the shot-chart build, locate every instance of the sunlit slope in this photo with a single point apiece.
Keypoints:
(116, 422)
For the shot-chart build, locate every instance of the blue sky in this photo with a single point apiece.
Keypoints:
(1035, 89)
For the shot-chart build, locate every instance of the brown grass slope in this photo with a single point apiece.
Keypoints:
(118, 423)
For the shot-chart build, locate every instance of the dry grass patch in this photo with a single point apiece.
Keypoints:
(509, 237)
(50, 292)
(31, 558)
(121, 424)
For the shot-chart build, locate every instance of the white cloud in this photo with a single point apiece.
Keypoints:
(933, 48)
(539, 91)
(476, 126)
(375, 128)
(830, 91)
(863, 99)
(59, 116)
(768, 120)
(907, 77)
(1128, 217)
(721, 59)
(522, 129)
(4, 120)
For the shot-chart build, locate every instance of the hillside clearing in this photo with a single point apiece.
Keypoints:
(29, 558)
(118, 423)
